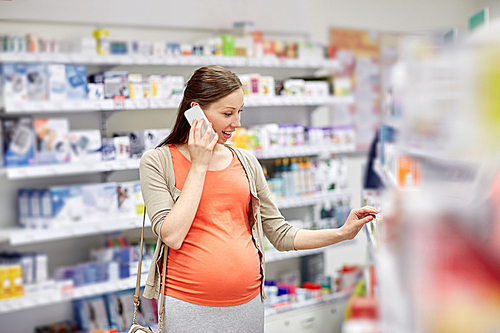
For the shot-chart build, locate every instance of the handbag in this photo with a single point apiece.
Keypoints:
(137, 328)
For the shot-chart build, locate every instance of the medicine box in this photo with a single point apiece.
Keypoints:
(14, 82)
(135, 86)
(152, 137)
(130, 202)
(56, 86)
(76, 82)
(108, 151)
(85, 146)
(18, 141)
(122, 147)
(91, 313)
(116, 84)
(95, 86)
(67, 204)
(100, 201)
(52, 140)
(36, 75)
(136, 139)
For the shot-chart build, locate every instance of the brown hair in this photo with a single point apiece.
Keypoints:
(206, 86)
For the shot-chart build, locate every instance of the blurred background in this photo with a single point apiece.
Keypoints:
(394, 104)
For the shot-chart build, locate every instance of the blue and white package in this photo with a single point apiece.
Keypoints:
(91, 313)
(76, 82)
(18, 141)
(34, 220)
(23, 211)
(67, 204)
(46, 215)
(108, 150)
(36, 75)
(85, 146)
(56, 86)
(130, 201)
(14, 82)
(100, 201)
(52, 140)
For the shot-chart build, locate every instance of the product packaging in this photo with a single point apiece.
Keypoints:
(85, 146)
(152, 137)
(294, 87)
(136, 90)
(19, 141)
(52, 140)
(122, 147)
(267, 86)
(108, 150)
(130, 202)
(91, 313)
(121, 310)
(67, 204)
(23, 211)
(14, 82)
(100, 201)
(76, 82)
(136, 139)
(56, 86)
(155, 86)
(116, 84)
(36, 82)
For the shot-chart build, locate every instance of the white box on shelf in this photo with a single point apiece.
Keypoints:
(14, 82)
(130, 200)
(67, 204)
(52, 136)
(152, 137)
(36, 75)
(85, 146)
(100, 201)
(122, 147)
(56, 85)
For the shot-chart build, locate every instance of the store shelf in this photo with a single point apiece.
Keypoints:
(326, 299)
(304, 150)
(274, 255)
(310, 200)
(71, 106)
(19, 236)
(55, 170)
(27, 302)
(94, 59)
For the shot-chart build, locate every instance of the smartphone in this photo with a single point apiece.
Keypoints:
(197, 113)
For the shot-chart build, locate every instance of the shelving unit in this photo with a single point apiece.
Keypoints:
(46, 173)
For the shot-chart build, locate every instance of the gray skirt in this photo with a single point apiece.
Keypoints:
(184, 317)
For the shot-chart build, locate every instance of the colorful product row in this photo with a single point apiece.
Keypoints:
(66, 205)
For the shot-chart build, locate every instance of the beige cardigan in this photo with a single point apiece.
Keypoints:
(159, 193)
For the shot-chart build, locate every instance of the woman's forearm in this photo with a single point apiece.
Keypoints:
(313, 239)
(178, 221)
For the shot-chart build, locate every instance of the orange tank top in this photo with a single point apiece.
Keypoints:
(218, 263)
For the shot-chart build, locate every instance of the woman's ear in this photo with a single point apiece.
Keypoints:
(193, 104)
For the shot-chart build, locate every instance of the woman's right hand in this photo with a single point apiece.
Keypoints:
(200, 148)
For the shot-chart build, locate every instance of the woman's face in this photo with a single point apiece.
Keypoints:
(225, 115)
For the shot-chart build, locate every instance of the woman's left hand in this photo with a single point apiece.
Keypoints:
(355, 221)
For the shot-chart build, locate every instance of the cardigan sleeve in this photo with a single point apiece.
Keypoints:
(157, 198)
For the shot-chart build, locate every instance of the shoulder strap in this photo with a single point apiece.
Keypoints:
(170, 184)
